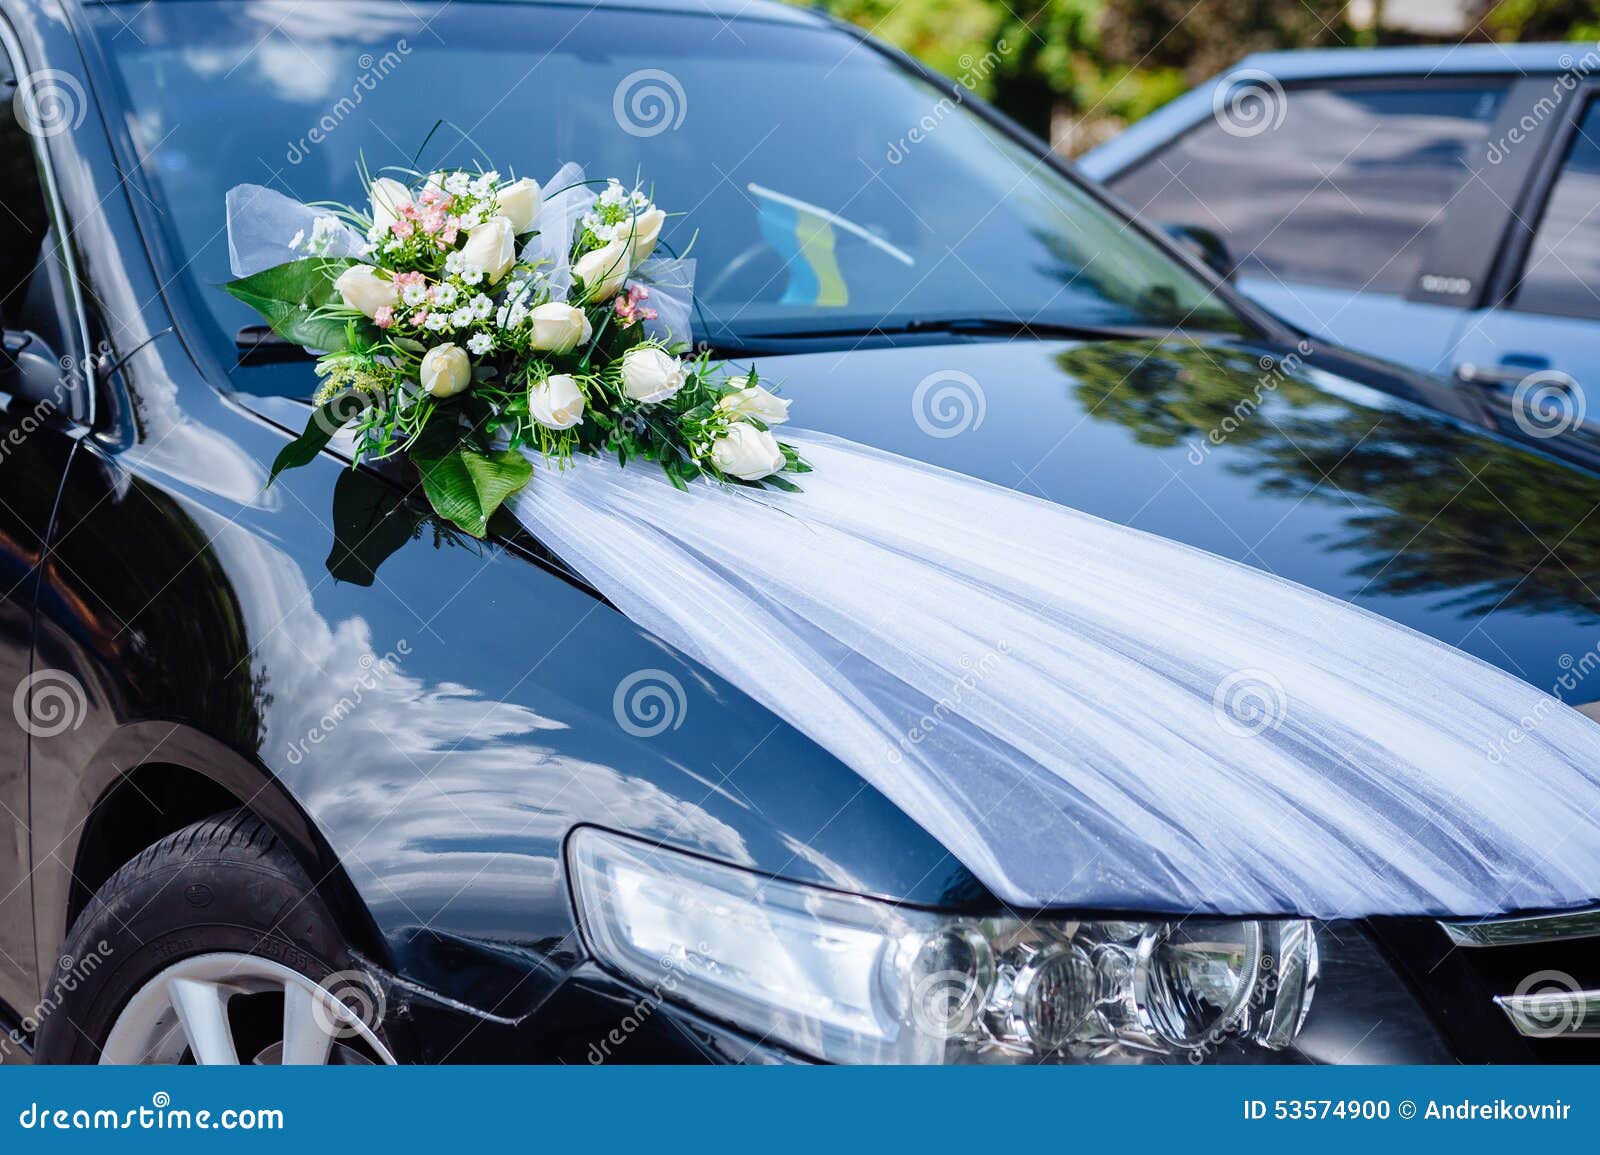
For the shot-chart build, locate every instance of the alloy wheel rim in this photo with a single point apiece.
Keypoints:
(187, 1014)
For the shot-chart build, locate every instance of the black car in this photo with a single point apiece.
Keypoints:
(280, 785)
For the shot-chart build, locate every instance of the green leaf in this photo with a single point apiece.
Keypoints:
(371, 520)
(328, 419)
(289, 295)
(783, 483)
(466, 486)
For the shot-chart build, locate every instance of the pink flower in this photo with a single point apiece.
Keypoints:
(403, 228)
(406, 280)
(384, 317)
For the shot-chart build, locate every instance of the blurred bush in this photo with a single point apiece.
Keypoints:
(1077, 71)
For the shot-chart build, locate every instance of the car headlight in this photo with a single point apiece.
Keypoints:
(848, 979)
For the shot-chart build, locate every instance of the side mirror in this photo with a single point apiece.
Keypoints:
(1211, 249)
(31, 372)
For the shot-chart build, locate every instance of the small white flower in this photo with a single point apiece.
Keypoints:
(438, 321)
(462, 318)
(415, 295)
(444, 296)
(472, 276)
(324, 230)
(298, 237)
(454, 264)
(482, 306)
(480, 343)
(457, 183)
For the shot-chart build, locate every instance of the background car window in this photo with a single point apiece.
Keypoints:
(813, 200)
(1562, 272)
(1370, 165)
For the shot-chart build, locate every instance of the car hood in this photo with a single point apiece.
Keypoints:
(1368, 484)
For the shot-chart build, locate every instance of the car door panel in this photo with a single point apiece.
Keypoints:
(40, 397)
(1535, 354)
(1383, 324)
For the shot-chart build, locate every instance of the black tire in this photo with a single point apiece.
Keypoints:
(224, 884)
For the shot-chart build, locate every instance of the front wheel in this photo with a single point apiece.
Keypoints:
(211, 947)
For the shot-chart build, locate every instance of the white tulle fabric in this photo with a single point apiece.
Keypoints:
(263, 223)
(1089, 716)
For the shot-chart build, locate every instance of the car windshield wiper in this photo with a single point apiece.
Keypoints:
(259, 345)
(958, 326)
(1016, 327)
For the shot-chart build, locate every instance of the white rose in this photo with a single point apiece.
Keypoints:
(646, 232)
(388, 195)
(603, 271)
(520, 203)
(491, 248)
(747, 453)
(363, 289)
(556, 402)
(557, 327)
(755, 402)
(650, 375)
(446, 370)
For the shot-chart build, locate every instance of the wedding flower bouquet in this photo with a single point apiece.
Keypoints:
(471, 322)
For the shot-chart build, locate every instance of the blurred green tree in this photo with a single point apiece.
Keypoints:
(1077, 71)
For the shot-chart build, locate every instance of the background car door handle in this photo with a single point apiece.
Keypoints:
(1510, 373)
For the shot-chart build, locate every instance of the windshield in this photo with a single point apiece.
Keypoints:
(821, 187)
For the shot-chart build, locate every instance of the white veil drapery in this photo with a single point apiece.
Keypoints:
(1090, 716)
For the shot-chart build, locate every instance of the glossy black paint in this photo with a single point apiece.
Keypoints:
(327, 654)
